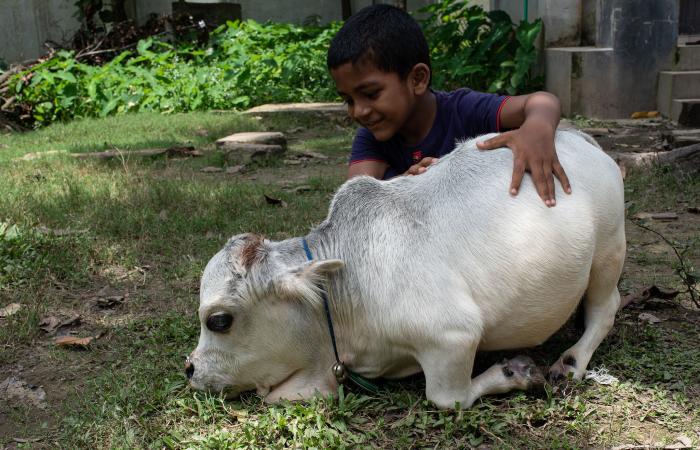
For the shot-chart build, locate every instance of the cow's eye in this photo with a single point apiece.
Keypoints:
(219, 322)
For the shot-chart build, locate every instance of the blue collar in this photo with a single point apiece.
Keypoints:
(340, 371)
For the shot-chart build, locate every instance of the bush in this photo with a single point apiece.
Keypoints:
(480, 50)
(245, 64)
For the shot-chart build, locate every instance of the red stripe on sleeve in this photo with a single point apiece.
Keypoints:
(498, 114)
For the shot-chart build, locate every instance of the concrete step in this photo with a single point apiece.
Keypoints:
(686, 57)
(686, 111)
(674, 84)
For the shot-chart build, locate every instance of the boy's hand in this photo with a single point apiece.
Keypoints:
(421, 166)
(533, 150)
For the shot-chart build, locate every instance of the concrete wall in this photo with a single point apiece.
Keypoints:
(618, 76)
(277, 11)
(26, 24)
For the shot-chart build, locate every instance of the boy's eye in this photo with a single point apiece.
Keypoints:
(372, 95)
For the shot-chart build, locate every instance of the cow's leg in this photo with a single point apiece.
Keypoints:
(448, 379)
(600, 305)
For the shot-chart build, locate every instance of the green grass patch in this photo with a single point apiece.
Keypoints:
(126, 132)
(148, 227)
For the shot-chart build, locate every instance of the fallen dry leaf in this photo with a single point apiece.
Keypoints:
(648, 318)
(9, 310)
(49, 324)
(109, 302)
(275, 201)
(211, 169)
(73, 341)
(644, 114)
(648, 293)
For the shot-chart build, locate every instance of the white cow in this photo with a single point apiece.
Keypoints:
(421, 273)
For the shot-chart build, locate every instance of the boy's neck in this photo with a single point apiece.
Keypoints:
(421, 120)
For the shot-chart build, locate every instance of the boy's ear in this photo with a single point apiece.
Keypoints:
(420, 78)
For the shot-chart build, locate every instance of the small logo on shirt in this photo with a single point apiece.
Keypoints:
(417, 156)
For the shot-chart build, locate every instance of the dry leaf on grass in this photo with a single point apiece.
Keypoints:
(648, 318)
(211, 169)
(9, 310)
(49, 324)
(109, 302)
(275, 201)
(73, 341)
(648, 293)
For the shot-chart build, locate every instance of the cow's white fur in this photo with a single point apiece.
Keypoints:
(436, 267)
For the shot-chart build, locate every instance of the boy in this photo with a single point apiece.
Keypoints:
(380, 63)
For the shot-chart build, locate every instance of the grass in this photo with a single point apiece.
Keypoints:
(147, 227)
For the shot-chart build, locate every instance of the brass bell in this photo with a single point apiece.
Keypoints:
(340, 372)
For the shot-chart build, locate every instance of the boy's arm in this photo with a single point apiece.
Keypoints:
(535, 118)
(374, 169)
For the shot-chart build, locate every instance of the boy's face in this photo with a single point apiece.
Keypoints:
(379, 101)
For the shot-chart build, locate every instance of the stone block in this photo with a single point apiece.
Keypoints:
(253, 137)
(243, 148)
(240, 153)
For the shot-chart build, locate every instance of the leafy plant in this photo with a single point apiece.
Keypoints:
(480, 49)
(245, 64)
(248, 63)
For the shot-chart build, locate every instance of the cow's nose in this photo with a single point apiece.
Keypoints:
(189, 369)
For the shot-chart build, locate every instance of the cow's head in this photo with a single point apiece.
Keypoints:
(259, 314)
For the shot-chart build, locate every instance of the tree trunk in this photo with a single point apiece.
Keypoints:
(687, 159)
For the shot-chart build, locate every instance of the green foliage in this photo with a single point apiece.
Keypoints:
(248, 63)
(245, 64)
(479, 49)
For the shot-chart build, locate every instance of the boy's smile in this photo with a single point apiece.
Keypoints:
(384, 103)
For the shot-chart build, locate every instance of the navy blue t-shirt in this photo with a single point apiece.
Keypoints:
(461, 114)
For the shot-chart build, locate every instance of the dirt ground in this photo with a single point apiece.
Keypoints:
(650, 261)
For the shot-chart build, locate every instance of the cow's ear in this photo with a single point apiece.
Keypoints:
(246, 251)
(306, 281)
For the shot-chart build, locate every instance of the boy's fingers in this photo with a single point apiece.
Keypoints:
(549, 179)
(518, 172)
(561, 175)
(495, 142)
(540, 183)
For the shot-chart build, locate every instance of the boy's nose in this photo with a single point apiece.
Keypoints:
(361, 111)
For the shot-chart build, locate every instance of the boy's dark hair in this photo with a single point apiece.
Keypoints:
(384, 35)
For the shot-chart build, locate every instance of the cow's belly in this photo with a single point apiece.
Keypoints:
(529, 325)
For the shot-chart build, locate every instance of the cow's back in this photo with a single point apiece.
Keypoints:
(417, 241)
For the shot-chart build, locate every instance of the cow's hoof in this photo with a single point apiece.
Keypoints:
(523, 373)
(564, 368)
